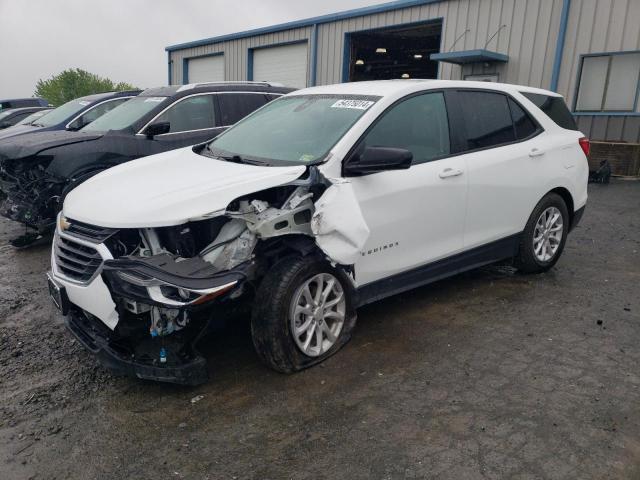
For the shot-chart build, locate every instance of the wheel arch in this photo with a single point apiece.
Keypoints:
(568, 200)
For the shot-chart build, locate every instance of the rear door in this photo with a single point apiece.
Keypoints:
(505, 161)
(415, 216)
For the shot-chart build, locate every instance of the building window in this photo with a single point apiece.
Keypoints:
(608, 83)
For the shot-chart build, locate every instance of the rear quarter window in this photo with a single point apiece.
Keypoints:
(554, 108)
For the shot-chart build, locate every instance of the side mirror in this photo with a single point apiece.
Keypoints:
(77, 125)
(378, 159)
(158, 128)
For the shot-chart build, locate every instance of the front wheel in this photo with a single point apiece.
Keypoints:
(544, 236)
(302, 314)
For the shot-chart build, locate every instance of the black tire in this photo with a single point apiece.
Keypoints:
(526, 260)
(270, 330)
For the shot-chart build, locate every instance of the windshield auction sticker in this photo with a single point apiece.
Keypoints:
(356, 104)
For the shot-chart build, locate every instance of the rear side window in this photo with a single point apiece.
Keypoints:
(418, 124)
(487, 119)
(555, 108)
(192, 113)
(236, 106)
(522, 122)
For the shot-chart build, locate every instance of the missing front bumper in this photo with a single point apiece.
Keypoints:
(92, 336)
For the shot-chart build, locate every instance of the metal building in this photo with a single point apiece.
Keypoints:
(588, 50)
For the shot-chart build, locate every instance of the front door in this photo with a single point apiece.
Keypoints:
(415, 216)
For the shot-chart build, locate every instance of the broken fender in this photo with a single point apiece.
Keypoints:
(338, 225)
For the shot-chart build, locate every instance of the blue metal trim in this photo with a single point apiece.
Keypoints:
(562, 33)
(630, 113)
(169, 62)
(606, 114)
(346, 52)
(185, 71)
(314, 55)
(469, 56)
(185, 65)
(250, 64)
(346, 56)
(603, 54)
(358, 12)
(259, 47)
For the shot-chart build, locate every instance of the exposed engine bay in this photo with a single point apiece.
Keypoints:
(170, 283)
(32, 195)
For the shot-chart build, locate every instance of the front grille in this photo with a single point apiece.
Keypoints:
(76, 261)
(88, 232)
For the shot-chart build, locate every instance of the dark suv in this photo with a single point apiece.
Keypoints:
(74, 114)
(37, 171)
(23, 102)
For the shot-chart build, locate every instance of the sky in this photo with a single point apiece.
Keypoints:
(124, 40)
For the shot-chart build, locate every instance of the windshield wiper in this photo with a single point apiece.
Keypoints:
(239, 159)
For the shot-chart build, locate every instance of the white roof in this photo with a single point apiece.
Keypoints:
(384, 88)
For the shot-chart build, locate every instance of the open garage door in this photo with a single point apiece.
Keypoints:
(397, 52)
(205, 69)
(286, 64)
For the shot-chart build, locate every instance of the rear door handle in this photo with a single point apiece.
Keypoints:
(450, 172)
(536, 152)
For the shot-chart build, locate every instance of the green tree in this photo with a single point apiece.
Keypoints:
(74, 83)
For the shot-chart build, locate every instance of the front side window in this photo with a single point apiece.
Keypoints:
(100, 110)
(487, 119)
(192, 113)
(236, 106)
(608, 83)
(62, 113)
(298, 130)
(418, 124)
(125, 115)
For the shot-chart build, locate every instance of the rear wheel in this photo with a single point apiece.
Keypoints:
(302, 314)
(544, 236)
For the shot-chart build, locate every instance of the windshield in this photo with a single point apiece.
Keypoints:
(124, 115)
(62, 113)
(299, 129)
(31, 118)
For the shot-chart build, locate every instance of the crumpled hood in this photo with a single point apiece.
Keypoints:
(167, 189)
(28, 145)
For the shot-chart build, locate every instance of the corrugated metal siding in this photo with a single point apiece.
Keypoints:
(236, 52)
(600, 26)
(597, 26)
(610, 128)
(529, 38)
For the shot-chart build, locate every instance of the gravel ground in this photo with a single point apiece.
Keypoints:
(487, 375)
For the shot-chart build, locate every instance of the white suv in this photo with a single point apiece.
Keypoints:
(323, 200)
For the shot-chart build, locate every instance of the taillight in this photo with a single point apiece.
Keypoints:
(585, 145)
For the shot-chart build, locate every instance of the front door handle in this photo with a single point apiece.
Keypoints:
(536, 152)
(450, 172)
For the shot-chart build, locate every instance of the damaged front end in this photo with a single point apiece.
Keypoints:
(170, 284)
(32, 195)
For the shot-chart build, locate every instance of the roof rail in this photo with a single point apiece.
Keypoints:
(189, 86)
